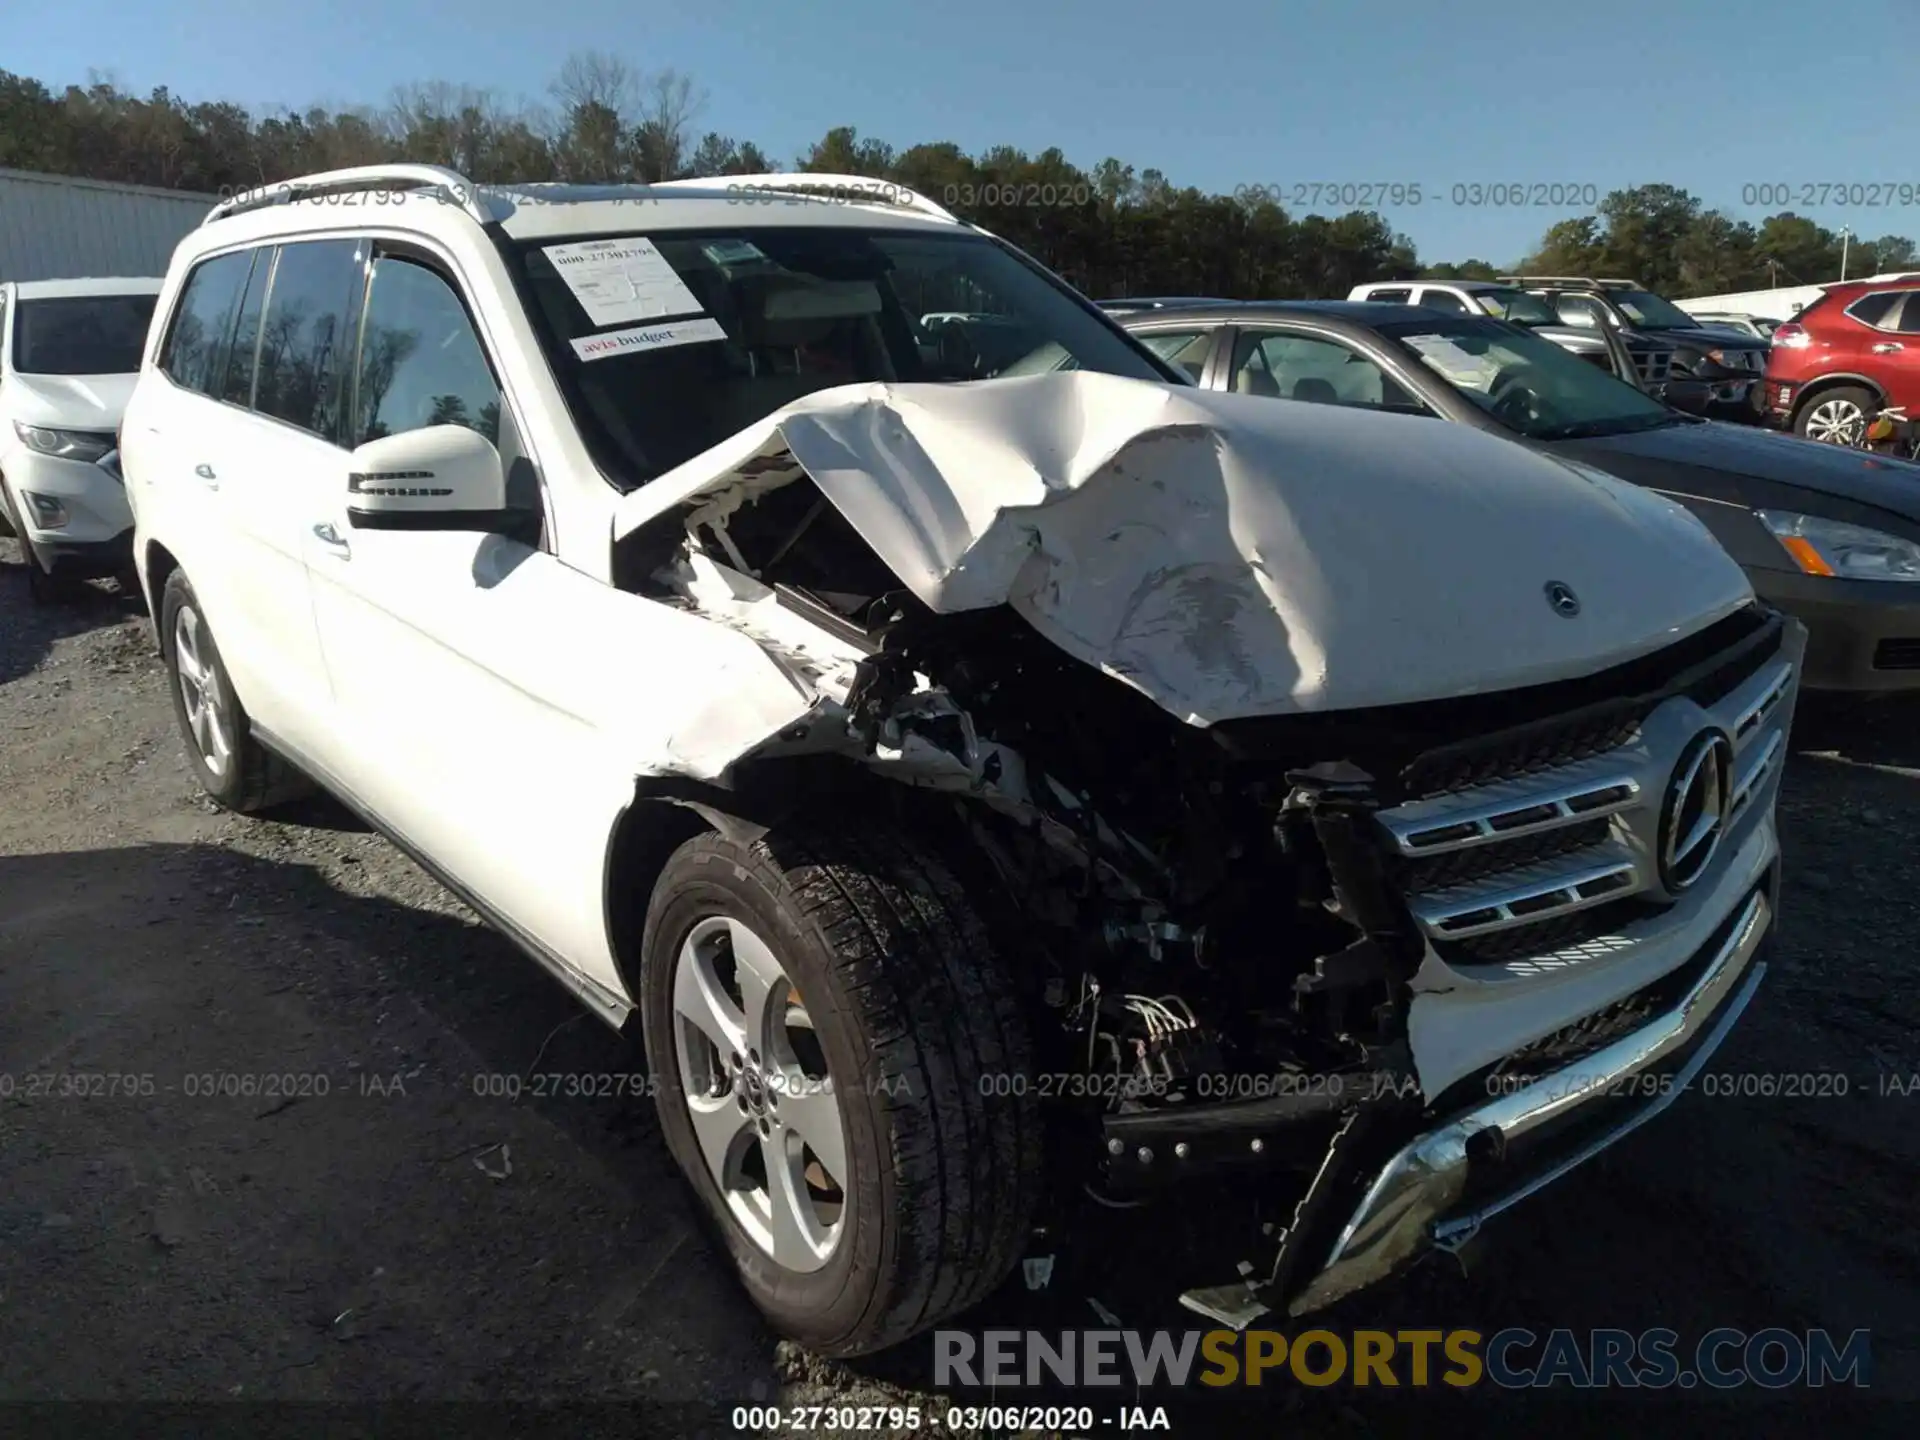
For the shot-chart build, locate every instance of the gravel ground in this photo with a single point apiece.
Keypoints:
(405, 1237)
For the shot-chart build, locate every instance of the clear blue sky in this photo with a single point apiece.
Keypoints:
(1707, 95)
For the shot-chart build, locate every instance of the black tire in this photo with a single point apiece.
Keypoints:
(919, 1028)
(252, 778)
(1811, 411)
(45, 587)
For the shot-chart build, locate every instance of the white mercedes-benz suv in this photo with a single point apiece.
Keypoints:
(993, 776)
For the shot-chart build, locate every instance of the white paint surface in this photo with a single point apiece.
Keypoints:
(1230, 557)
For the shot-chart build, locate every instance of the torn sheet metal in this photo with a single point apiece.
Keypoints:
(1229, 556)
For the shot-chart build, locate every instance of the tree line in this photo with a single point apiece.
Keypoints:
(1110, 230)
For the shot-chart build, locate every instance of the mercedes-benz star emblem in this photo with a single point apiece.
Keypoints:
(1693, 817)
(1561, 597)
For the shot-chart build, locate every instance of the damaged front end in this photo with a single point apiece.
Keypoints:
(1125, 675)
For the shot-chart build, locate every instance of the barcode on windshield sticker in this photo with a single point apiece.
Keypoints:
(648, 337)
(622, 280)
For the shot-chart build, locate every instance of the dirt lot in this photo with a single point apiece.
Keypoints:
(403, 1236)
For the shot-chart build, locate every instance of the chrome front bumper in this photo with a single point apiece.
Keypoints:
(1418, 1198)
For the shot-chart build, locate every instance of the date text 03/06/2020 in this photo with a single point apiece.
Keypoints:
(962, 1419)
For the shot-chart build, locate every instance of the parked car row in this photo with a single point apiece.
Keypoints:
(1846, 355)
(972, 756)
(1689, 367)
(69, 351)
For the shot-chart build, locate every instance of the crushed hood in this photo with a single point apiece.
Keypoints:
(1226, 555)
(72, 402)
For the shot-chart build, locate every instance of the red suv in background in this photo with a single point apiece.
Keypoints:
(1851, 351)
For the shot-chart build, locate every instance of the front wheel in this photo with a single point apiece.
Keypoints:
(835, 1050)
(44, 587)
(1835, 417)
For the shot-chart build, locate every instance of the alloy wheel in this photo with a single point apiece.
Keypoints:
(207, 718)
(762, 1104)
(1836, 422)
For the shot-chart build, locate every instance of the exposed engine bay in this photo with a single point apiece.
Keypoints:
(1146, 850)
(1219, 945)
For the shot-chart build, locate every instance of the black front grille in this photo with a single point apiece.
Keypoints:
(1543, 747)
(1433, 872)
(1435, 746)
(1897, 655)
(1585, 717)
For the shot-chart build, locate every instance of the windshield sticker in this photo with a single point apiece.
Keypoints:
(620, 281)
(648, 337)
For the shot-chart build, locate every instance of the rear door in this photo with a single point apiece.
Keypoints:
(283, 463)
(176, 432)
(1898, 354)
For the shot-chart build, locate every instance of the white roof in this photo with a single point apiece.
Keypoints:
(535, 211)
(108, 285)
(429, 198)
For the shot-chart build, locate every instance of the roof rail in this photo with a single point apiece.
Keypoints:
(1550, 280)
(848, 189)
(460, 190)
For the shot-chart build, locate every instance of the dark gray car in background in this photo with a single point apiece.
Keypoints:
(1830, 535)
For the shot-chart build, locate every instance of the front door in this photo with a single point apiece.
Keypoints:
(482, 696)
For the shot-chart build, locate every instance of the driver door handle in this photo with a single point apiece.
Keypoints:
(1887, 347)
(331, 538)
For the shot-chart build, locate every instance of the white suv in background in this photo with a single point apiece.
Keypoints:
(976, 761)
(69, 353)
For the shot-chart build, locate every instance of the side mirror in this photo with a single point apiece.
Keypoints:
(445, 477)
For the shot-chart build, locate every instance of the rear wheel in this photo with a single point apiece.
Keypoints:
(832, 1042)
(234, 769)
(1835, 417)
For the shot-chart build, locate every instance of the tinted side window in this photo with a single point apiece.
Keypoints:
(1184, 348)
(301, 335)
(420, 362)
(237, 382)
(1323, 372)
(1390, 297)
(1575, 311)
(1443, 300)
(203, 318)
(1872, 309)
(1909, 321)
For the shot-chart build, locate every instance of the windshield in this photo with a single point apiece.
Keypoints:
(667, 345)
(1516, 306)
(81, 334)
(1529, 384)
(1650, 312)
